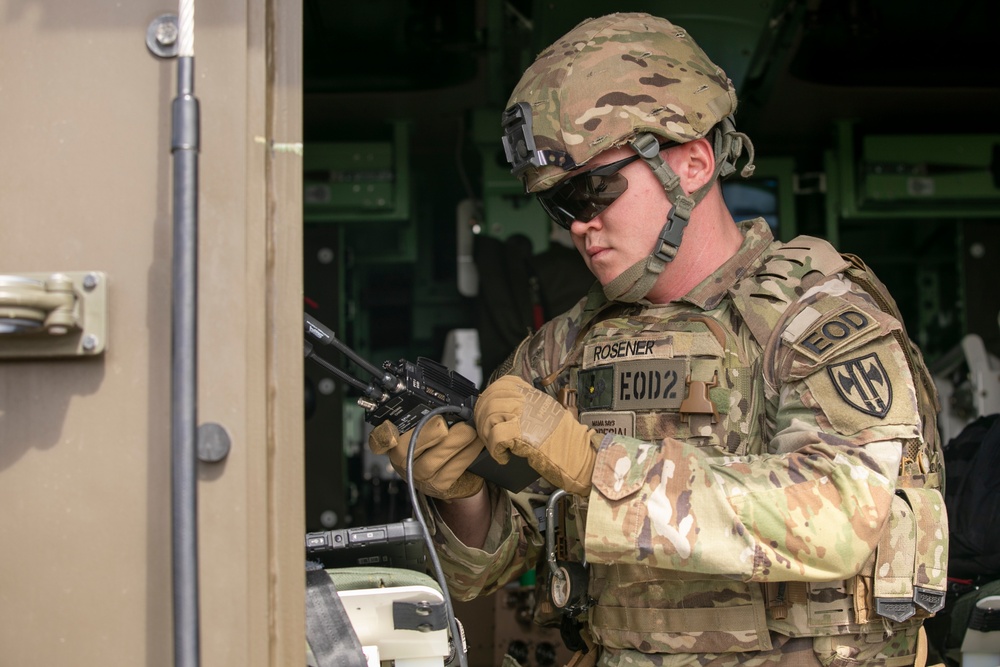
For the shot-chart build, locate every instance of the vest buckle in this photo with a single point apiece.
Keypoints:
(698, 401)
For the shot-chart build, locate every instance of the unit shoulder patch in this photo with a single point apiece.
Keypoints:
(867, 390)
(864, 384)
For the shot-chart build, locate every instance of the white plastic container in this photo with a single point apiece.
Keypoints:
(981, 645)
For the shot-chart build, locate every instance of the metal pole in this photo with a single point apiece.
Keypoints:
(184, 362)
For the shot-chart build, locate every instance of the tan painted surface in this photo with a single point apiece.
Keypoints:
(85, 443)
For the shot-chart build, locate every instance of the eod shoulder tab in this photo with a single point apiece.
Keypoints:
(764, 298)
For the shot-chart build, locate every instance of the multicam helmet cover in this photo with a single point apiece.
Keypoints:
(604, 82)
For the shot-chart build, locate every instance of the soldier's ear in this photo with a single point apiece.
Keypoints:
(693, 162)
(702, 162)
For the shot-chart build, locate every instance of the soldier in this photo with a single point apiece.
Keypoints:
(747, 434)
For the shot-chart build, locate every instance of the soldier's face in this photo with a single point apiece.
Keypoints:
(626, 231)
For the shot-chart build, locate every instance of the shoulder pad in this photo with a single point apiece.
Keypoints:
(813, 254)
(763, 297)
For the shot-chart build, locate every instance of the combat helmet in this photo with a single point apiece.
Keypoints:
(621, 79)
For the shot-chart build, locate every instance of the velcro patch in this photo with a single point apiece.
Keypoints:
(618, 423)
(654, 384)
(631, 348)
(840, 329)
(672, 345)
(595, 388)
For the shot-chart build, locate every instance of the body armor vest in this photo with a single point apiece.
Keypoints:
(699, 377)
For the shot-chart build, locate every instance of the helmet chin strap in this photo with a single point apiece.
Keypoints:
(635, 282)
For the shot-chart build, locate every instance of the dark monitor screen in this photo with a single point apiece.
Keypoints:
(754, 198)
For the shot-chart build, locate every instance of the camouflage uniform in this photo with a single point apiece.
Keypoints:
(763, 477)
(769, 467)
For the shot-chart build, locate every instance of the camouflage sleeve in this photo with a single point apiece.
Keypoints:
(812, 506)
(512, 538)
(514, 541)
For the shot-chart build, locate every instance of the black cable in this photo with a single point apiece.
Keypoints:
(466, 413)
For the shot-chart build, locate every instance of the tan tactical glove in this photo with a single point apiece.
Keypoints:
(440, 459)
(512, 416)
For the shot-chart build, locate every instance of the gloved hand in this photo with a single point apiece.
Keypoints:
(512, 416)
(440, 459)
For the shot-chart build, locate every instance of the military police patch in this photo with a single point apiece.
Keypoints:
(863, 383)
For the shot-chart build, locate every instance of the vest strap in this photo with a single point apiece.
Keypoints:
(732, 619)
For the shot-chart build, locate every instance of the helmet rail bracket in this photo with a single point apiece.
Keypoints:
(518, 141)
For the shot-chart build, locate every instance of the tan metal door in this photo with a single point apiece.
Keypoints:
(85, 185)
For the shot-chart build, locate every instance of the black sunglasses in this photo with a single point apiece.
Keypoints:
(583, 197)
